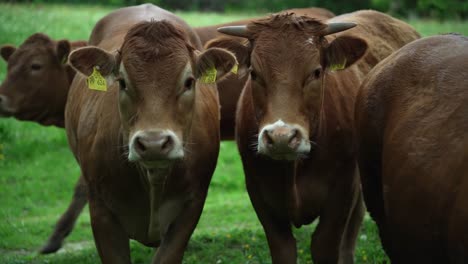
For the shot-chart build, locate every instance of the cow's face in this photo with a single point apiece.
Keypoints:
(288, 59)
(37, 78)
(158, 73)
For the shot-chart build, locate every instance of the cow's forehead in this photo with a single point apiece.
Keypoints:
(284, 50)
(25, 54)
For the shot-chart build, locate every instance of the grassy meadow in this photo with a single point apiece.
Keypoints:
(38, 172)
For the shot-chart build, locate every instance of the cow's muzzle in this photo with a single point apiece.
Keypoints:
(281, 141)
(5, 110)
(155, 148)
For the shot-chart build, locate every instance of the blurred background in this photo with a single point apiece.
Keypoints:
(440, 9)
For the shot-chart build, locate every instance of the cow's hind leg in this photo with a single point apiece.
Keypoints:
(348, 244)
(110, 238)
(67, 221)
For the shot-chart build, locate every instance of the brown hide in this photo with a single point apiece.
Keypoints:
(36, 89)
(230, 88)
(37, 81)
(412, 128)
(138, 144)
(294, 126)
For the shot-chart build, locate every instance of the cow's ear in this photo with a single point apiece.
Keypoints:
(238, 46)
(6, 51)
(344, 51)
(214, 63)
(85, 59)
(63, 50)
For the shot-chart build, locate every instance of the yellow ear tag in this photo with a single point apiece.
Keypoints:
(235, 68)
(96, 81)
(337, 67)
(209, 76)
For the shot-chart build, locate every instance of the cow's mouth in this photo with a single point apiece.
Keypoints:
(156, 164)
(5, 112)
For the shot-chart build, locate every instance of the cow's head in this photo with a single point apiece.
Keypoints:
(288, 57)
(158, 72)
(37, 81)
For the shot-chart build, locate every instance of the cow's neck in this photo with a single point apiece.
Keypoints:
(156, 183)
(293, 202)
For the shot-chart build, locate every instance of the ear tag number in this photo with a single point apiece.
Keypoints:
(209, 76)
(337, 67)
(235, 68)
(96, 81)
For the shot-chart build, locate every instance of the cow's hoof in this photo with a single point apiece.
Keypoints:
(50, 247)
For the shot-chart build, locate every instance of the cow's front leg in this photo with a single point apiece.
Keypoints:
(281, 241)
(338, 225)
(175, 239)
(67, 221)
(110, 238)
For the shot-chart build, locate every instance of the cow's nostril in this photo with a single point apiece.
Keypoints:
(294, 133)
(139, 145)
(167, 143)
(268, 138)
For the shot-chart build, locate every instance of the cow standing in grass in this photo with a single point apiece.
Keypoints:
(148, 146)
(412, 127)
(294, 126)
(39, 78)
(36, 89)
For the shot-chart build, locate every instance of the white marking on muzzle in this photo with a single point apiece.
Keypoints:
(304, 146)
(177, 152)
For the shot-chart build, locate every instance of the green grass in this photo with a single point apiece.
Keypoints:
(38, 172)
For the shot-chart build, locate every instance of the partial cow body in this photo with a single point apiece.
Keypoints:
(294, 125)
(412, 130)
(38, 79)
(139, 143)
(230, 88)
(36, 89)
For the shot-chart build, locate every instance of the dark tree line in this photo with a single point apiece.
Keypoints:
(445, 9)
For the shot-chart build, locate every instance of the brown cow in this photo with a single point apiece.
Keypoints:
(148, 146)
(412, 127)
(294, 125)
(36, 89)
(37, 81)
(230, 88)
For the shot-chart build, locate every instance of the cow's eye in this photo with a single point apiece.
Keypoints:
(317, 73)
(253, 75)
(36, 66)
(122, 84)
(189, 83)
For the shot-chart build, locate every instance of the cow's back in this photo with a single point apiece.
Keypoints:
(122, 19)
(383, 34)
(412, 120)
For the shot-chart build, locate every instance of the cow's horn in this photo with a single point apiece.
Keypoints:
(337, 27)
(238, 31)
